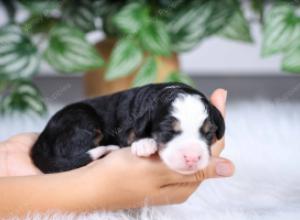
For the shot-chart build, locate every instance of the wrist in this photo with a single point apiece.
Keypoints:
(94, 183)
(3, 160)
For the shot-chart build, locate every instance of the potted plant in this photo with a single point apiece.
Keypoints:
(142, 40)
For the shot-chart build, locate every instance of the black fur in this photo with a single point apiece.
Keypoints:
(109, 120)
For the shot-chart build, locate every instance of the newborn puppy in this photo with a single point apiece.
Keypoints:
(172, 119)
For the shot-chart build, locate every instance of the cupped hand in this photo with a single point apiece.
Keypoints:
(134, 182)
(130, 180)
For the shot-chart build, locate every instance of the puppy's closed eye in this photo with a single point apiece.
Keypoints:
(208, 129)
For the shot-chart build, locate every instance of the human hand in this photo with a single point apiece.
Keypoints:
(15, 152)
(15, 156)
(131, 181)
(127, 180)
(218, 99)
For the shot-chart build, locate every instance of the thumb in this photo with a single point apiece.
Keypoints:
(218, 167)
(218, 99)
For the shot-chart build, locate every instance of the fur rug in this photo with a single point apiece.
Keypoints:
(262, 139)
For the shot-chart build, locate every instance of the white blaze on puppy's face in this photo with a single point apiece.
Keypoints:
(187, 152)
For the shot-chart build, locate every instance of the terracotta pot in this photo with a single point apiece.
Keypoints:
(96, 85)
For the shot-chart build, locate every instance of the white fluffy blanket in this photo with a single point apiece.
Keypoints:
(263, 141)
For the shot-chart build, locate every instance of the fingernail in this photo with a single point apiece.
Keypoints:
(223, 169)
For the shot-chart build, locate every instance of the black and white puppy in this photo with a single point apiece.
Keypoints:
(172, 119)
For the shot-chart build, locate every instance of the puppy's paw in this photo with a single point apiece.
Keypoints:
(144, 147)
(100, 151)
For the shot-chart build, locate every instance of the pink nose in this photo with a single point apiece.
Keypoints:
(191, 159)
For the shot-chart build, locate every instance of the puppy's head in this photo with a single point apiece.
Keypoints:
(186, 130)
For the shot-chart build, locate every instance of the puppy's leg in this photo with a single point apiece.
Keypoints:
(100, 151)
(67, 138)
(144, 147)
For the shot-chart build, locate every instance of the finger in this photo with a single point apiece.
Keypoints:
(187, 184)
(218, 167)
(218, 147)
(174, 193)
(23, 141)
(24, 138)
(218, 99)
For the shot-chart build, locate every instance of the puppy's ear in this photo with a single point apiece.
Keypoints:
(218, 120)
(143, 123)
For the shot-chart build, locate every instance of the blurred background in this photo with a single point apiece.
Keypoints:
(56, 52)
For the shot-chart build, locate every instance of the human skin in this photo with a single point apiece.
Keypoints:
(118, 181)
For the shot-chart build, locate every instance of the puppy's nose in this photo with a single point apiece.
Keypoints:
(191, 159)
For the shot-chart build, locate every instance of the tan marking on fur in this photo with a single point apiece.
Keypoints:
(176, 126)
(131, 138)
(98, 138)
(207, 126)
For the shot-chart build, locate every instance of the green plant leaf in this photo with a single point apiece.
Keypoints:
(81, 15)
(180, 77)
(23, 97)
(19, 57)
(187, 28)
(220, 15)
(41, 6)
(196, 21)
(131, 18)
(237, 28)
(10, 8)
(166, 9)
(38, 24)
(3, 84)
(281, 31)
(104, 7)
(155, 38)
(125, 57)
(291, 61)
(147, 73)
(258, 7)
(68, 51)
